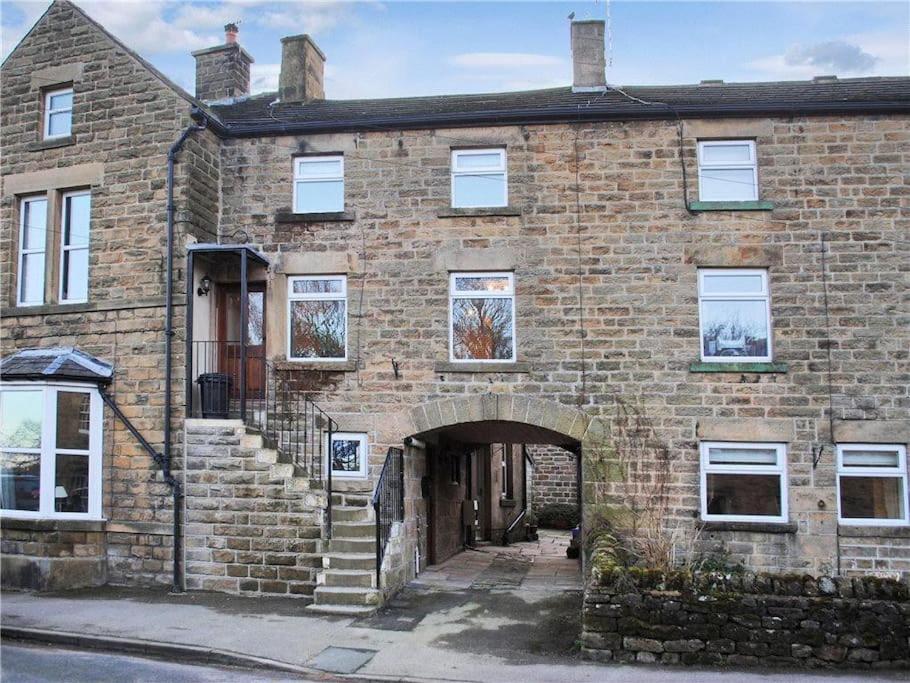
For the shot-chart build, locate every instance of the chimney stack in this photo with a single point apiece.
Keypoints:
(588, 62)
(302, 77)
(223, 71)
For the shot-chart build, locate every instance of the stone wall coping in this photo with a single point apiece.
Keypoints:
(20, 524)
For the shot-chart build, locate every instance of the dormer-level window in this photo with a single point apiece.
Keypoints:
(727, 171)
(58, 113)
(479, 178)
(319, 184)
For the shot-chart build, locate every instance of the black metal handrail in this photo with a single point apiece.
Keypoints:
(227, 378)
(388, 503)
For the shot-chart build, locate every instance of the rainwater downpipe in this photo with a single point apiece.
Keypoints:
(168, 345)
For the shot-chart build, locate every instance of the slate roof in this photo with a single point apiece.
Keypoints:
(59, 363)
(261, 114)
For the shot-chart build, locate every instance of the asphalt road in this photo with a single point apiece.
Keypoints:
(39, 664)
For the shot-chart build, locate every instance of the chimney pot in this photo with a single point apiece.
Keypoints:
(588, 61)
(230, 33)
(302, 77)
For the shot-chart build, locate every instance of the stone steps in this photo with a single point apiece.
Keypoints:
(335, 596)
(350, 578)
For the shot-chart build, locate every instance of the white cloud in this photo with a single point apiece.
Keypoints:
(144, 28)
(505, 60)
(835, 55)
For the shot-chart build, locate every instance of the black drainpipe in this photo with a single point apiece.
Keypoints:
(168, 344)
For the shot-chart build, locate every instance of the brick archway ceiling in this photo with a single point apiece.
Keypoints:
(498, 431)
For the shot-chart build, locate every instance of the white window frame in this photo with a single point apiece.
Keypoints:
(473, 294)
(705, 167)
(502, 168)
(900, 473)
(23, 252)
(364, 450)
(320, 296)
(780, 468)
(764, 295)
(48, 450)
(300, 161)
(48, 111)
(64, 249)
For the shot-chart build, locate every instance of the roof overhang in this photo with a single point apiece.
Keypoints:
(236, 249)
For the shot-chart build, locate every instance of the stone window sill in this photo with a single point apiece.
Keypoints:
(754, 527)
(449, 366)
(331, 217)
(759, 368)
(18, 524)
(326, 366)
(51, 144)
(846, 531)
(451, 212)
(731, 206)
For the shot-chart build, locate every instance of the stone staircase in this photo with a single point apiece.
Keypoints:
(347, 583)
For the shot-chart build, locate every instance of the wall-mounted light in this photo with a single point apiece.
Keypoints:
(205, 286)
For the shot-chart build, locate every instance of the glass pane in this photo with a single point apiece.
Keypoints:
(61, 101)
(20, 481)
(32, 278)
(71, 483)
(318, 286)
(725, 153)
(60, 124)
(78, 212)
(735, 328)
(346, 455)
(35, 221)
(742, 456)
(75, 274)
(21, 415)
(720, 185)
(74, 419)
(322, 196)
(255, 332)
(732, 283)
(482, 329)
(318, 329)
(319, 169)
(871, 498)
(491, 283)
(479, 190)
(744, 494)
(860, 458)
(469, 161)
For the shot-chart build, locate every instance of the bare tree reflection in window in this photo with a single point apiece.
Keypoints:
(345, 455)
(318, 329)
(482, 329)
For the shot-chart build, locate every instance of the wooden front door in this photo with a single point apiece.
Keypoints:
(229, 335)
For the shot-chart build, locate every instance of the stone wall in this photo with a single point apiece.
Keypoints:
(555, 479)
(747, 620)
(52, 555)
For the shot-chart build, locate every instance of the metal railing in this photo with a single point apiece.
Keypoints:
(227, 379)
(388, 503)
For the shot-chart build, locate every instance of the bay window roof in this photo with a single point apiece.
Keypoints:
(57, 363)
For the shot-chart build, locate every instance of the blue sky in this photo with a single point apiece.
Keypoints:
(388, 49)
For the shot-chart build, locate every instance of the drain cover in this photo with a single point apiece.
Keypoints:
(341, 660)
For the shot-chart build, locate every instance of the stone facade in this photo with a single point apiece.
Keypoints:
(555, 480)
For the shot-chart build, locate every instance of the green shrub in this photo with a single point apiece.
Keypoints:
(558, 516)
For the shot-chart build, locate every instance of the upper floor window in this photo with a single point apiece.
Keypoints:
(50, 450)
(58, 113)
(479, 178)
(32, 246)
(482, 317)
(735, 315)
(727, 171)
(319, 184)
(743, 482)
(77, 208)
(317, 317)
(872, 484)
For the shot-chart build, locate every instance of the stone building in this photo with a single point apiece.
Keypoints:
(367, 294)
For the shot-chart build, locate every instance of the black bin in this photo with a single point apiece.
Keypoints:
(214, 391)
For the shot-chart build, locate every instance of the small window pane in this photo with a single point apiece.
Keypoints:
(479, 190)
(735, 328)
(78, 213)
(723, 283)
(318, 329)
(20, 481)
(860, 458)
(71, 488)
(346, 455)
(744, 494)
(482, 329)
(726, 153)
(60, 123)
(482, 284)
(317, 169)
(323, 196)
(61, 101)
(75, 274)
(255, 332)
(73, 420)
(32, 278)
(722, 184)
(35, 221)
(21, 415)
(469, 161)
(318, 286)
(742, 456)
(871, 498)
